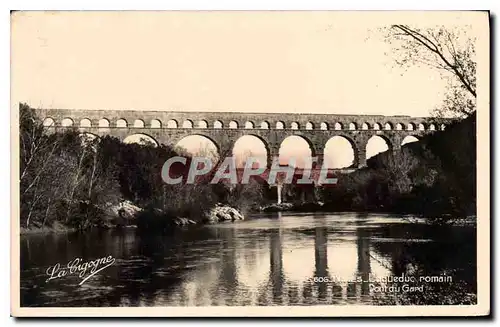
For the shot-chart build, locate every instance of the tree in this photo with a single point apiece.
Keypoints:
(449, 50)
(37, 149)
(63, 176)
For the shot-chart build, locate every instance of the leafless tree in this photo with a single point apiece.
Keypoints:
(57, 171)
(449, 50)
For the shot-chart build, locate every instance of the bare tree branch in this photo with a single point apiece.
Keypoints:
(431, 46)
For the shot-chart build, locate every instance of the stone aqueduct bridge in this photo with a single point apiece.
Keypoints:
(224, 128)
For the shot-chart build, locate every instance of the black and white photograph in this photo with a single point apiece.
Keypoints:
(250, 163)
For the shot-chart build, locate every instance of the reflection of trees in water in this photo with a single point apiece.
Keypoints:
(450, 251)
(63, 248)
(150, 266)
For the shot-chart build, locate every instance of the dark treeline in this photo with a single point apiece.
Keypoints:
(69, 180)
(435, 177)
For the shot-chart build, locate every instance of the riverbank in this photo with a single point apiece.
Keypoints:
(325, 208)
(127, 215)
(46, 230)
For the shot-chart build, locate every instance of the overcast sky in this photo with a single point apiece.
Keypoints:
(220, 61)
(314, 62)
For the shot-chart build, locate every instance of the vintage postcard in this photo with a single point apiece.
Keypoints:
(232, 163)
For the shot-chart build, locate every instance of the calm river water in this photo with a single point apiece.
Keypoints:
(269, 259)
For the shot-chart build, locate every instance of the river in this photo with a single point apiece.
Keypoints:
(268, 259)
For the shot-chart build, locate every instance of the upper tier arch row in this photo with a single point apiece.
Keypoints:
(105, 122)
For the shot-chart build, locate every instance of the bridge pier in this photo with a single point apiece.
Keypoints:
(279, 189)
(396, 147)
(320, 160)
(361, 157)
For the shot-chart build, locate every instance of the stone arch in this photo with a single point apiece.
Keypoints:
(218, 124)
(202, 124)
(141, 138)
(294, 125)
(338, 126)
(233, 124)
(309, 125)
(352, 126)
(323, 126)
(365, 126)
(411, 127)
(138, 123)
(188, 123)
(103, 123)
(264, 125)
(49, 122)
(85, 122)
(249, 125)
(409, 139)
(421, 127)
(377, 144)
(377, 126)
(399, 127)
(199, 144)
(155, 123)
(290, 147)
(121, 123)
(67, 122)
(251, 145)
(172, 123)
(388, 126)
(340, 152)
(280, 125)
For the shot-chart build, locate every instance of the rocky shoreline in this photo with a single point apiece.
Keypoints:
(127, 215)
(222, 213)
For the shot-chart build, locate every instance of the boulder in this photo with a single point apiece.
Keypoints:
(121, 214)
(124, 209)
(222, 213)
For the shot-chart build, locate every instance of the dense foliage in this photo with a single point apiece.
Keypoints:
(435, 177)
(69, 179)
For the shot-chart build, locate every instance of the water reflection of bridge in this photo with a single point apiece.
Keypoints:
(322, 286)
(254, 272)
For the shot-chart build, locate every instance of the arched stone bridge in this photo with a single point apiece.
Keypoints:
(224, 128)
